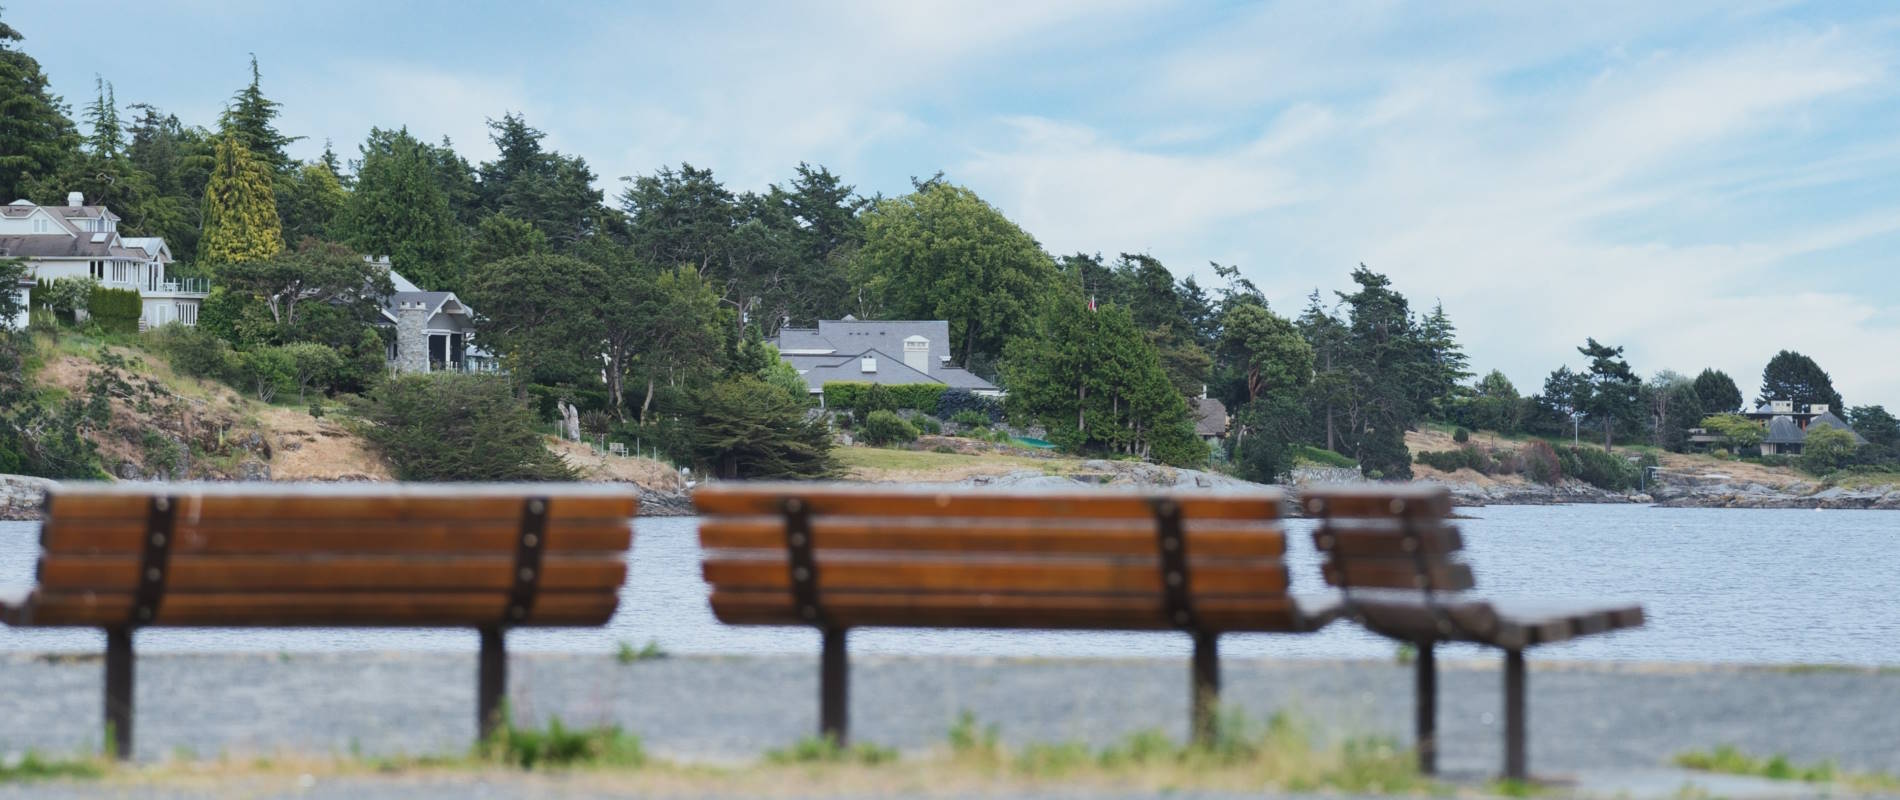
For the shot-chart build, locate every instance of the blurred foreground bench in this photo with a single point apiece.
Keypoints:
(490, 557)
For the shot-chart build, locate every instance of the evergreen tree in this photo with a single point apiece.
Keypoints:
(1613, 388)
(178, 162)
(1095, 383)
(1445, 363)
(1875, 424)
(1793, 376)
(1718, 392)
(399, 209)
(108, 137)
(240, 213)
(1384, 364)
(1496, 406)
(251, 118)
(36, 136)
(310, 199)
(1330, 390)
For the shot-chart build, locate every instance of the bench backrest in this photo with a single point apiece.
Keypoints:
(850, 556)
(331, 555)
(1387, 537)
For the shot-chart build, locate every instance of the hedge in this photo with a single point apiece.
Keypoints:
(955, 401)
(116, 310)
(924, 397)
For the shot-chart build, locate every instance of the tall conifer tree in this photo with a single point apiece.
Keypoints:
(250, 118)
(35, 135)
(240, 213)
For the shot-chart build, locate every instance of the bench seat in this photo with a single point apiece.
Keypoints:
(124, 557)
(1508, 624)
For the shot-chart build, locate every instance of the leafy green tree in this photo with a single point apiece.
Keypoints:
(1270, 351)
(1674, 408)
(321, 274)
(312, 366)
(1872, 422)
(746, 428)
(1613, 387)
(1826, 449)
(1496, 405)
(36, 136)
(1095, 383)
(400, 209)
(785, 376)
(310, 199)
(1793, 376)
(266, 371)
(540, 313)
(450, 426)
(251, 119)
(1737, 431)
(666, 327)
(12, 270)
(941, 252)
(240, 212)
(1718, 392)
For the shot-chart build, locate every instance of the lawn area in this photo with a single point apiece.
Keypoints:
(880, 464)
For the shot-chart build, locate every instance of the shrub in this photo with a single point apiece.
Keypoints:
(265, 370)
(195, 352)
(312, 366)
(877, 398)
(952, 403)
(65, 296)
(747, 428)
(448, 426)
(116, 310)
(971, 418)
(561, 746)
(1600, 469)
(1538, 461)
(930, 426)
(923, 397)
(1461, 435)
(1442, 460)
(1826, 449)
(886, 427)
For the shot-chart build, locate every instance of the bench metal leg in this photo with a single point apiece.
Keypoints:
(1514, 727)
(119, 693)
(1427, 708)
(491, 686)
(1206, 698)
(834, 678)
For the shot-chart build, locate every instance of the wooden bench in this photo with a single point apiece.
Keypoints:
(838, 557)
(125, 557)
(1393, 554)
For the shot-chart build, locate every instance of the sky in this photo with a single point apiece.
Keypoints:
(1702, 183)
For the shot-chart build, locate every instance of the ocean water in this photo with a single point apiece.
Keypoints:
(1718, 585)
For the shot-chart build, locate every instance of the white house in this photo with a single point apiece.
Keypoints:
(80, 241)
(434, 331)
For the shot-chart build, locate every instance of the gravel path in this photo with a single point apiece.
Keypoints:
(1584, 717)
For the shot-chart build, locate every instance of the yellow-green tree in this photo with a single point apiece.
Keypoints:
(240, 212)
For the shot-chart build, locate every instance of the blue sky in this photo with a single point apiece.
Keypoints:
(1705, 183)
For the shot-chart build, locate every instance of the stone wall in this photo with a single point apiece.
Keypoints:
(412, 344)
(21, 496)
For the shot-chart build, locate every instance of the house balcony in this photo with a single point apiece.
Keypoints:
(178, 287)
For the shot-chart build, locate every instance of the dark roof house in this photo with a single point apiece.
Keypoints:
(890, 352)
(1210, 417)
(1787, 433)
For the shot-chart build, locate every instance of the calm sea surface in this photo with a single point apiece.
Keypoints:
(1718, 585)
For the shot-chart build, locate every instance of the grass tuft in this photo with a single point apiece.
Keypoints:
(626, 654)
(31, 766)
(561, 746)
(827, 750)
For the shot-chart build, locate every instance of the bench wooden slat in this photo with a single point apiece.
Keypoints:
(334, 572)
(871, 571)
(756, 500)
(1398, 573)
(1267, 612)
(1231, 539)
(1374, 538)
(1379, 500)
(318, 609)
(387, 504)
(234, 537)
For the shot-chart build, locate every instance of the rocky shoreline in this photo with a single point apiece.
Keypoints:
(20, 496)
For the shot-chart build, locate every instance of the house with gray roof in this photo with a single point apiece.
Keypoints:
(1788, 432)
(1210, 418)
(433, 331)
(890, 352)
(81, 241)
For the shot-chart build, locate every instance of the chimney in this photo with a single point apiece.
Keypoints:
(917, 354)
(75, 199)
(1817, 408)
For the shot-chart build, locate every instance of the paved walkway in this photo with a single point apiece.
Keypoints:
(1609, 724)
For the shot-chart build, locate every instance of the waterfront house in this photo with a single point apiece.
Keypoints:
(1786, 426)
(431, 331)
(888, 352)
(81, 241)
(1210, 418)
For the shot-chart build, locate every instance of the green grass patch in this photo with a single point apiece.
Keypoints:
(1323, 457)
(827, 750)
(32, 766)
(628, 654)
(559, 746)
(1729, 760)
(924, 460)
